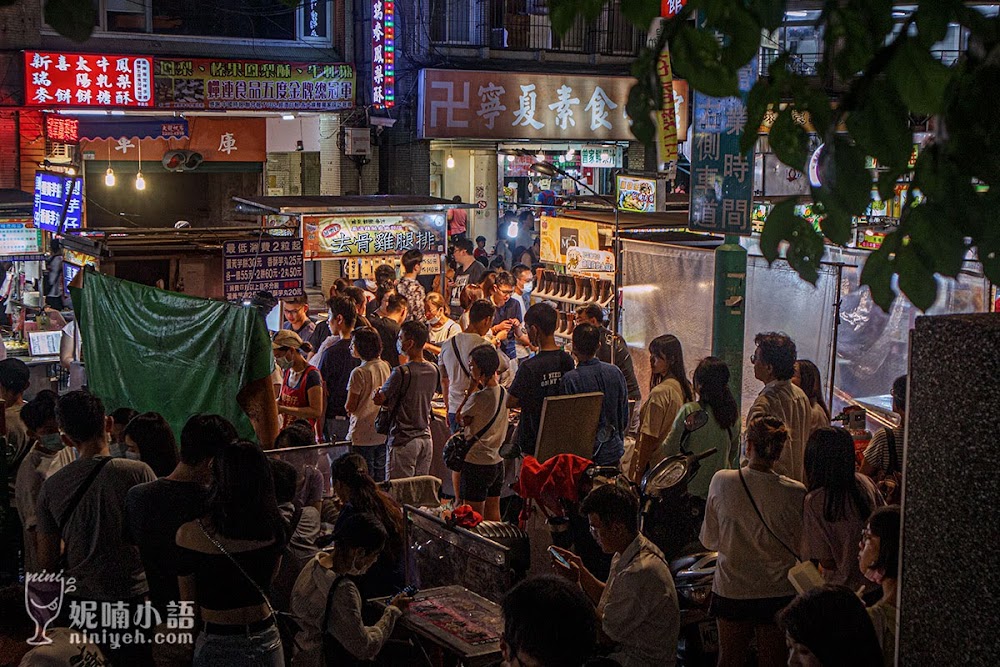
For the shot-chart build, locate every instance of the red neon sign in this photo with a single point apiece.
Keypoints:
(87, 80)
(384, 54)
(61, 129)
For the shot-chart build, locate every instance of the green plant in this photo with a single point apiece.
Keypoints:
(872, 82)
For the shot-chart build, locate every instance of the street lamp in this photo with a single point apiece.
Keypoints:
(551, 171)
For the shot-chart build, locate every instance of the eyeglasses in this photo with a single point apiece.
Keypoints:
(506, 292)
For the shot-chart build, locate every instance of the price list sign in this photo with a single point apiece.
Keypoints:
(269, 265)
(19, 241)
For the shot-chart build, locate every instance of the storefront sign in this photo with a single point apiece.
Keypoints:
(61, 129)
(254, 265)
(52, 196)
(384, 54)
(671, 8)
(224, 139)
(18, 238)
(73, 263)
(639, 195)
(208, 83)
(666, 119)
(586, 261)
(86, 80)
(869, 239)
(522, 105)
(722, 175)
(560, 234)
(606, 157)
(359, 236)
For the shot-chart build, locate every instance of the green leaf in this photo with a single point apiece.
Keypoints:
(641, 12)
(7, 3)
(878, 271)
(805, 250)
(939, 243)
(837, 224)
(916, 279)
(695, 57)
(778, 227)
(770, 14)
(933, 17)
(881, 127)
(761, 96)
(73, 19)
(851, 185)
(919, 78)
(789, 140)
(640, 112)
(744, 35)
(887, 184)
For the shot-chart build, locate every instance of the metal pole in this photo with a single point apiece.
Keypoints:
(615, 305)
(729, 309)
(836, 335)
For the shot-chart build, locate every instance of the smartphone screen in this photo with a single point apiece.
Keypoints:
(559, 558)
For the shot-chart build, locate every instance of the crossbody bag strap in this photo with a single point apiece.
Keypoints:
(753, 502)
(218, 545)
(489, 424)
(402, 394)
(454, 346)
(81, 491)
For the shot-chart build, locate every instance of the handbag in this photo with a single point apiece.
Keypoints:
(458, 446)
(386, 417)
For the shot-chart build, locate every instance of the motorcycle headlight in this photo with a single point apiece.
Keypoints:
(697, 595)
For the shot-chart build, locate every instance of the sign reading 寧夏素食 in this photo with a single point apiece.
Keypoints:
(362, 235)
(526, 105)
(264, 264)
(218, 84)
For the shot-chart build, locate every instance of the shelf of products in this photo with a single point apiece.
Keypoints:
(568, 292)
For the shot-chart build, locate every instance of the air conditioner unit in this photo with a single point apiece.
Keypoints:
(357, 141)
(60, 153)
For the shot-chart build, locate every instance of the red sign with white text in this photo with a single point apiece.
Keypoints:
(671, 8)
(87, 80)
(62, 129)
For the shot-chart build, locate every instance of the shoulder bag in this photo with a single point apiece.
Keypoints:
(458, 446)
(81, 491)
(387, 416)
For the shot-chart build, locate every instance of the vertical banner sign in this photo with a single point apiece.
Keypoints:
(666, 119)
(722, 176)
(384, 54)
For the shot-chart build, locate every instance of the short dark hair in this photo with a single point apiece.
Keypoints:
(122, 416)
(155, 439)
(295, 435)
(592, 311)
(850, 640)
(345, 307)
(368, 343)
(80, 415)
(899, 393)
(463, 244)
(543, 316)
(486, 359)
(518, 269)
(203, 435)
(15, 376)
(416, 332)
(355, 294)
(411, 259)
(40, 410)
(384, 272)
(394, 303)
(551, 621)
(778, 351)
(586, 340)
(284, 475)
(613, 504)
(480, 310)
(480, 239)
(885, 523)
(503, 278)
(768, 436)
(360, 531)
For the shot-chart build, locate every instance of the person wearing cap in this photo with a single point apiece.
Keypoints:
(296, 311)
(301, 394)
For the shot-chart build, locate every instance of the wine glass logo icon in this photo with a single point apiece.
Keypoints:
(43, 600)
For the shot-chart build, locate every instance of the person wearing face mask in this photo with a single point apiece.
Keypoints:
(440, 327)
(48, 455)
(120, 419)
(149, 438)
(301, 395)
(336, 367)
(878, 559)
(327, 604)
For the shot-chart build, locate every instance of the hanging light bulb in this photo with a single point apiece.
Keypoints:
(510, 158)
(140, 182)
(540, 157)
(450, 162)
(109, 177)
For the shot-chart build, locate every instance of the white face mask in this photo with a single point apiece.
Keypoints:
(131, 455)
(435, 320)
(360, 565)
(283, 364)
(528, 286)
(399, 346)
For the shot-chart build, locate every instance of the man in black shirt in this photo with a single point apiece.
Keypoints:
(592, 313)
(539, 376)
(467, 272)
(337, 365)
(386, 321)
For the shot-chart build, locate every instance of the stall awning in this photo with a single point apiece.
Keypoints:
(347, 204)
(668, 219)
(141, 127)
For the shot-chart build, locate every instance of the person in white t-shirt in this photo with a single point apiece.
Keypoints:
(365, 379)
(484, 410)
(755, 550)
(440, 327)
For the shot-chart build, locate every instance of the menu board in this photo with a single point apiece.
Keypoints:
(264, 264)
(19, 240)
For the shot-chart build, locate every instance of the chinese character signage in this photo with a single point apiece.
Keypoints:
(666, 119)
(52, 196)
(671, 8)
(583, 261)
(18, 238)
(359, 236)
(85, 80)
(558, 235)
(262, 264)
(219, 139)
(214, 84)
(522, 105)
(383, 54)
(639, 195)
(722, 175)
(607, 157)
(62, 129)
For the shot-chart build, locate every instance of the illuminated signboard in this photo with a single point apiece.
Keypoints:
(384, 54)
(86, 80)
(62, 129)
(51, 193)
(671, 8)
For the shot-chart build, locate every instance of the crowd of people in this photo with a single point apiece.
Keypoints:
(138, 517)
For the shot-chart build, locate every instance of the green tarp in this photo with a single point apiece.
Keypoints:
(179, 355)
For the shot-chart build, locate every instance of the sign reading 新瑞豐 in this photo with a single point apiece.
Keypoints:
(52, 197)
(87, 80)
(216, 84)
(265, 264)
(363, 235)
(639, 195)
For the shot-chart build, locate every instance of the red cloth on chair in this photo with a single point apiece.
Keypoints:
(466, 517)
(558, 478)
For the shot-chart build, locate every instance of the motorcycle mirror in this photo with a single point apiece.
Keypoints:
(695, 421)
